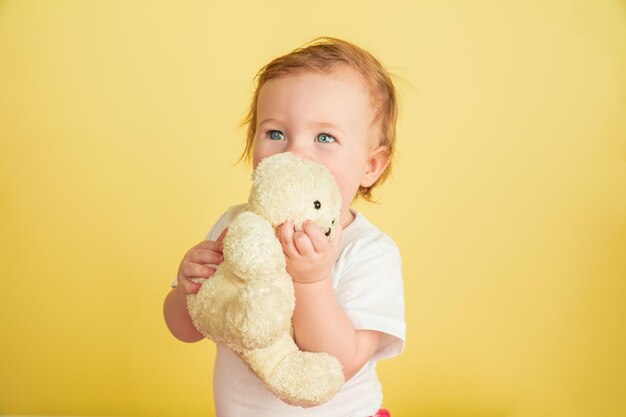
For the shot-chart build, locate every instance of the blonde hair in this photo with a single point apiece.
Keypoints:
(322, 54)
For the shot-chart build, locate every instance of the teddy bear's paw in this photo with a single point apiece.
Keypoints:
(307, 379)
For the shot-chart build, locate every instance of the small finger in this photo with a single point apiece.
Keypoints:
(194, 270)
(216, 246)
(303, 243)
(189, 287)
(286, 239)
(317, 238)
(206, 256)
(222, 235)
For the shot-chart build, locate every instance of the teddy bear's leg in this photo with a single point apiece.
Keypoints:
(207, 308)
(258, 315)
(299, 378)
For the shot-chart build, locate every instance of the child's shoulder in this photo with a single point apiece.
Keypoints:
(237, 209)
(232, 212)
(364, 234)
(225, 219)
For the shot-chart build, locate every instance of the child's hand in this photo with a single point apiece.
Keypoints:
(310, 255)
(195, 261)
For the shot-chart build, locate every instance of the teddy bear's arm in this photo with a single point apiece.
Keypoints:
(252, 250)
(262, 306)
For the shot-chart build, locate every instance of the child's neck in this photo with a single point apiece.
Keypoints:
(347, 218)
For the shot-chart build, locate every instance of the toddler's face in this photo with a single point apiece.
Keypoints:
(322, 117)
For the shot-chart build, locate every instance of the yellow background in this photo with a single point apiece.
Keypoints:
(119, 137)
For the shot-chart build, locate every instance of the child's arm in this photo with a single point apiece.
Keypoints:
(177, 318)
(320, 325)
(193, 265)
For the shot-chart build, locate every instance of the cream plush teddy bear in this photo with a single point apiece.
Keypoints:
(247, 305)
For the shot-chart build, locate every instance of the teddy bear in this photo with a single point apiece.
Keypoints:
(247, 305)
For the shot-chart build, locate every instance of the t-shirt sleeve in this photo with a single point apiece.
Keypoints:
(370, 290)
(222, 223)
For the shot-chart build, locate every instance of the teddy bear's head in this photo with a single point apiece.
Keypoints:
(289, 188)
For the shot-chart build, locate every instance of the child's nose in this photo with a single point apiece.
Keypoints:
(300, 149)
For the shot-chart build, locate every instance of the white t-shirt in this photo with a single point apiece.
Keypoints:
(367, 279)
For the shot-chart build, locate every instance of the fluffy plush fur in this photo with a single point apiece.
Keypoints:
(248, 303)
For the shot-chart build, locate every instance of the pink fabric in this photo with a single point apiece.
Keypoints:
(382, 413)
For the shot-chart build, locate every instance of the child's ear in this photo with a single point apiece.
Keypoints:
(376, 164)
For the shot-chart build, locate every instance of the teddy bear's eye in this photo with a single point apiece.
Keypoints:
(317, 205)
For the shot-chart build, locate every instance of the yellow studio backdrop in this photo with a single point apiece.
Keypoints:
(118, 142)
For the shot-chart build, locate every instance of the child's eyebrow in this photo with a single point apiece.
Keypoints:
(268, 120)
(328, 125)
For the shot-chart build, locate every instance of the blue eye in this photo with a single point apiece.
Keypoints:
(325, 138)
(275, 134)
